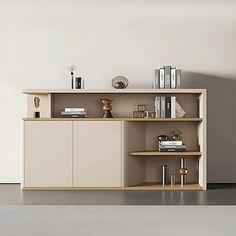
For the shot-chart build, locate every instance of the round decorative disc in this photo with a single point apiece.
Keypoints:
(120, 82)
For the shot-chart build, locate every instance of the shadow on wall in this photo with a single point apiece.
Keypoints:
(221, 124)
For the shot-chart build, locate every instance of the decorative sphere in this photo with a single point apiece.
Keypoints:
(120, 82)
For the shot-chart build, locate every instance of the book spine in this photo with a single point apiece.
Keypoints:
(73, 112)
(167, 72)
(171, 142)
(74, 116)
(156, 79)
(162, 78)
(158, 107)
(173, 78)
(168, 107)
(163, 104)
(178, 78)
(173, 107)
(75, 109)
(173, 146)
(172, 150)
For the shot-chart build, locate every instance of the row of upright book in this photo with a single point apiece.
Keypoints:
(165, 106)
(171, 146)
(79, 112)
(167, 77)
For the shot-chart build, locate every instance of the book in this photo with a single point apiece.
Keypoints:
(163, 104)
(75, 109)
(172, 150)
(173, 146)
(173, 78)
(156, 79)
(74, 116)
(167, 73)
(158, 107)
(173, 107)
(73, 113)
(171, 142)
(167, 107)
(178, 78)
(162, 78)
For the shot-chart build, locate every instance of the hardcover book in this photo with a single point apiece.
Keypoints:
(162, 78)
(158, 107)
(173, 78)
(163, 104)
(173, 107)
(168, 107)
(178, 78)
(167, 73)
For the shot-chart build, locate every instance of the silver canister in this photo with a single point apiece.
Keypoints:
(164, 175)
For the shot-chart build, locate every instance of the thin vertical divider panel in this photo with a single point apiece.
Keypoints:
(202, 136)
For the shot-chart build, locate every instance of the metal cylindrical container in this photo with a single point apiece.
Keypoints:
(172, 179)
(164, 175)
(183, 164)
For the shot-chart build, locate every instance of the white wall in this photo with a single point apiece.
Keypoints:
(104, 38)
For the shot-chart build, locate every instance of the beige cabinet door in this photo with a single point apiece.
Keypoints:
(48, 154)
(97, 154)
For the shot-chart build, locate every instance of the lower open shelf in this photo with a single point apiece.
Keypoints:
(158, 186)
(143, 186)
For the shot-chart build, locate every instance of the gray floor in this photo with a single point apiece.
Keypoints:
(221, 194)
(117, 220)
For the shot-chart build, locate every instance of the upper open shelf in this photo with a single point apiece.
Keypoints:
(114, 91)
(121, 119)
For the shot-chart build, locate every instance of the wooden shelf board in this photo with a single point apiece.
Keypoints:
(157, 153)
(158, 186)
(144, 186)
(115, 91)
(119, 119)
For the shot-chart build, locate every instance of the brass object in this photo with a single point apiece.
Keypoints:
(36, 102)
(141, 107)
(162, 137)
(138, 114)
(106, 107)
(183, 171)
(172, 179)
(175, 135)
(149, 114)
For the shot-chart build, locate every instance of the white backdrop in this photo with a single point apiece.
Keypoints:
(105, 38)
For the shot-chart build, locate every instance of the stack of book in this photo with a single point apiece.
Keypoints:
(165, 107)
(167, 77)
(79, 112)
(172, 146)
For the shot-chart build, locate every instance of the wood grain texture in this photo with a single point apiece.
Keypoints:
(157, 91)
(149, 186)
(156, 153)
(118, 119)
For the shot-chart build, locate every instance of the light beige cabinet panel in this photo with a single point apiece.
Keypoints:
(97, 154)
(48, 153)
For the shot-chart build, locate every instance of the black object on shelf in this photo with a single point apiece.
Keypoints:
(37, 114)
(78, 83)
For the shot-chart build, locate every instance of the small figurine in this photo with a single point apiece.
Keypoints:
(106, 107)
(72, 69)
